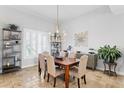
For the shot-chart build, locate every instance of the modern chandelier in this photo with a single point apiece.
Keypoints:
(57, 27)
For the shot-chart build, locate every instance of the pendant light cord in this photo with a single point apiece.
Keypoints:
(58, 17)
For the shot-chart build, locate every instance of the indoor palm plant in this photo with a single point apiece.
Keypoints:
(109, 54)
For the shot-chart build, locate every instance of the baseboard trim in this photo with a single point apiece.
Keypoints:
(29, 66)
(119, 73)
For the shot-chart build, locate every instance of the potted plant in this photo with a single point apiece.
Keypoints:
(109, 54)
(13, 27)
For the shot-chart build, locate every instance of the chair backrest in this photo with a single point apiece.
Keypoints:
(51, 65)
(82, 65)
(41, 61)
(72, 55)
(45, 53)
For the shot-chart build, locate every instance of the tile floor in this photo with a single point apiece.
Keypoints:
(28, 78)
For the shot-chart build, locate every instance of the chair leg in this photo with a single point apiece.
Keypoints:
(85, 79)
(48, 77)
(78, 83)
(73, 77)
(82, 77)
(45, 74)
(54, 82)
(39, 71)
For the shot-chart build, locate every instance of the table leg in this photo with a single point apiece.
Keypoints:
(67, 76)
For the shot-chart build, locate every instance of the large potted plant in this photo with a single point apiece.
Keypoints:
(109, 54)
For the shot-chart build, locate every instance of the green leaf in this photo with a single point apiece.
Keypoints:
(109, 53)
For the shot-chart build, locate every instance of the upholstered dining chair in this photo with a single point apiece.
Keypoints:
(41, 64)
(51, 69)
(45, 53)
(80, 71)
(42, 59)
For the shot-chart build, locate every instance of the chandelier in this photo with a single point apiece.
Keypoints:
(57, 27)
(61, 33)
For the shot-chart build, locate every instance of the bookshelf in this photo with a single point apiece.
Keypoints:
(11, 50)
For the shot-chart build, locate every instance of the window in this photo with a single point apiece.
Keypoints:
(35, 42)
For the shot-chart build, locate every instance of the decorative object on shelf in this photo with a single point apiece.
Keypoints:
(7, 45)
(78, 51)
(81, 38)
(8, 64)
(92, 51)
(69, 48)
(16, 42)
(14, 36)
(13, 27)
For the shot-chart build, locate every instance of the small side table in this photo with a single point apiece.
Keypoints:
(110, 66)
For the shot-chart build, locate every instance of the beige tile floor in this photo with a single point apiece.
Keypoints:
(28, 78)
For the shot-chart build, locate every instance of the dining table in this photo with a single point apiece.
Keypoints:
(67, 63)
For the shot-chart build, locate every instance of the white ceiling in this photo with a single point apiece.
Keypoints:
(117, 9)
(49, 12)
(39, 14)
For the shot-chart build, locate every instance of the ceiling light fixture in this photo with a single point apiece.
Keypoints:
(62, 33)
(57, 27)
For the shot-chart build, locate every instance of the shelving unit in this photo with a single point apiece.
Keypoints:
(56, 44)
(11, 50)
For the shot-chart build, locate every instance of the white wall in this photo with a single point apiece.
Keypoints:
(0, 49)
(103, 28)
(23, 20)
(10, 15)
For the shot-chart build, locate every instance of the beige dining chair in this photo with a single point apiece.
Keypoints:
(51, 69)
(45, 53)
(80, 71)
(42, 59)
(41, 62)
